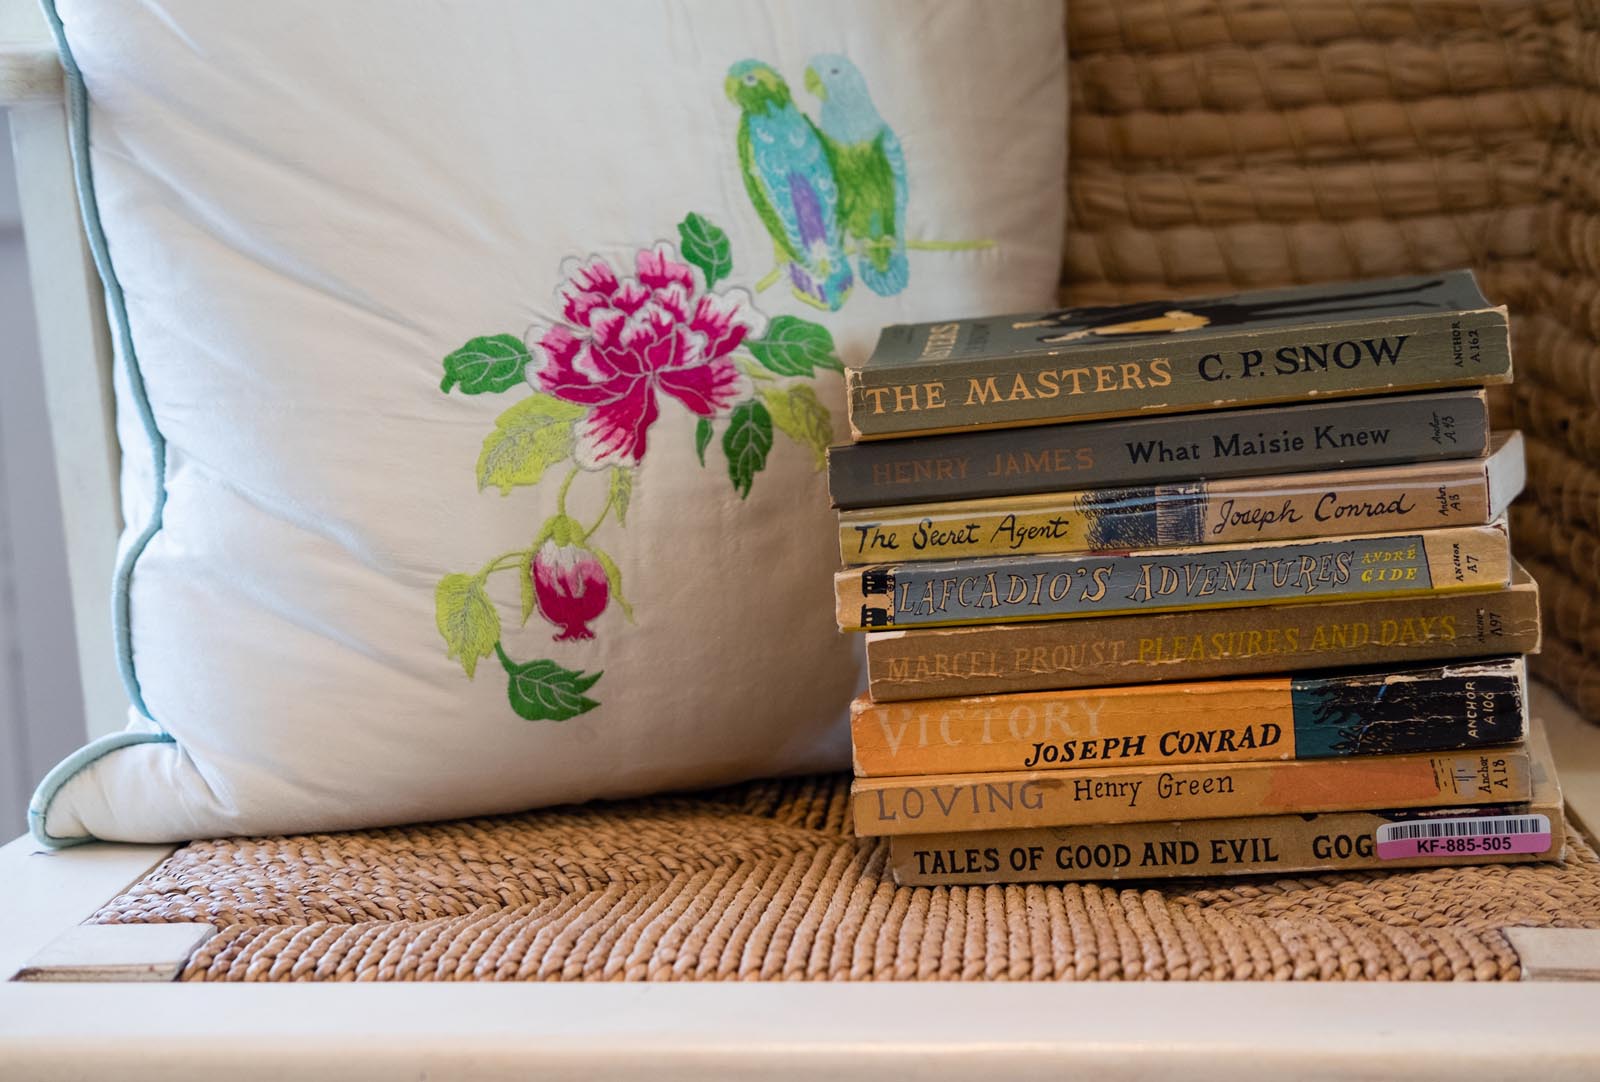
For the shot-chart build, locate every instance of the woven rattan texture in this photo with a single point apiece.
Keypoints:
(764, 882)
(1222, 144)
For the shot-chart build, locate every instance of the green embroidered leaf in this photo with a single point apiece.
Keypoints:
(702, 438)
(746, 443)
(614, 581)
(621, 492)
(528, 439)
(796, 347)
(525, 576)
(486, 365)
(802, 415)
(467, 619)
(707, 247)
(544, 691)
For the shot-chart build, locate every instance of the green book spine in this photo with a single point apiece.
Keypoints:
(1178, 357)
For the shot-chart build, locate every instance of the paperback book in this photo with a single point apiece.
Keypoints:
(1532, 830)
(1306, 716)
(961, 592)
(1338, 434)
(1204, 644)
(947, 803)
(1334, 340)
(1332, 503)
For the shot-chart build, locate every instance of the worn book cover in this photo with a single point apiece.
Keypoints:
(1532, 830)
(947, 803)
(1306, 716)
(1339, 434)
(1199, 645)
(1007, 589)
(1332, 503)
(1332, 340)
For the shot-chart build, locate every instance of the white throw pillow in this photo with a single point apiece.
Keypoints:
(479, 362)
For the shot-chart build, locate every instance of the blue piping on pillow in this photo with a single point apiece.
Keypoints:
(83, 174)
(67, 769)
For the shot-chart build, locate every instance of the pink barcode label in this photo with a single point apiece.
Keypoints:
(1477, 836)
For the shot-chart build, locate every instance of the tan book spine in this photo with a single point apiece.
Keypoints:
(1249, 509)
(1138, 648)
(1006, 589)
(1275, 844)
(947, 803)
(1308, 716)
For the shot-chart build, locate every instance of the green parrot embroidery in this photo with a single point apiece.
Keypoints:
(789, 178)
(869, 169)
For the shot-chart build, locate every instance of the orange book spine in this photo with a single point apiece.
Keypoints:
(1309, 716)
(1007, 801)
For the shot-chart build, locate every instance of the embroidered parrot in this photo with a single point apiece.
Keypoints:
(788, 176)
(870, 169)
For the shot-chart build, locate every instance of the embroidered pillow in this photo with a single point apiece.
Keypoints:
(478, 366)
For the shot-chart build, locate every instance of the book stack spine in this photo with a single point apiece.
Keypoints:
(1192, 587)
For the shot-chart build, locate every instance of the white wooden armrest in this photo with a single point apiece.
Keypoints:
(74, 345)
(29, 73)
(29, 68)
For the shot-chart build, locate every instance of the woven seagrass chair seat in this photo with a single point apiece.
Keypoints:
(1214, 146)
(764, 881)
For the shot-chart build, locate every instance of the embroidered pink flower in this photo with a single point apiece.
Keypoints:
(626, 342)
(570, 588)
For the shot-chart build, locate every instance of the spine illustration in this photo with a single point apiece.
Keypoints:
(1439, 708)
(1338, 434)
(1332, 503)
(1204, 644)
(950, 593)
(950, 803)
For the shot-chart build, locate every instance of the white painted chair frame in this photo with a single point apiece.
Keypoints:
(122, 1016)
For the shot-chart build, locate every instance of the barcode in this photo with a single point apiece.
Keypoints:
(1464, 828)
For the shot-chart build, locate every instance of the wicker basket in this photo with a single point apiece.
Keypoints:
(1221, 144)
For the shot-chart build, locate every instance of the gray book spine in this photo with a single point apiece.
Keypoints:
(1341, 434)
(1180, 373)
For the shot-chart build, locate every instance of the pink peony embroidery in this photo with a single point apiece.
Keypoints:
(600, 370)
(625, 342)
(570, 587)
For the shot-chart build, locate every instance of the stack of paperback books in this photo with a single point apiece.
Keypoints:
(1192, 587)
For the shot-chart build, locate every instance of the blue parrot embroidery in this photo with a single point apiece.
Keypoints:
(869, 171)
(790, 180)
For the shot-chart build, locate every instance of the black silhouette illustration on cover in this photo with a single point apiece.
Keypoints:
(1125, 322)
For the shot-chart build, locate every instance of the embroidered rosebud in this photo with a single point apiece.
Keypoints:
(569, 585)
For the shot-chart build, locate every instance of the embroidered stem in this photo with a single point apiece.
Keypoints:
(766, 282)
(611, 498)
(505, 561)
(561, 497)
(500, 652)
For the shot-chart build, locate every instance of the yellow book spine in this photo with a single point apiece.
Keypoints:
(1331, 503)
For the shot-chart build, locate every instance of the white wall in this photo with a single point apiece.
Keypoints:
(41, 717)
